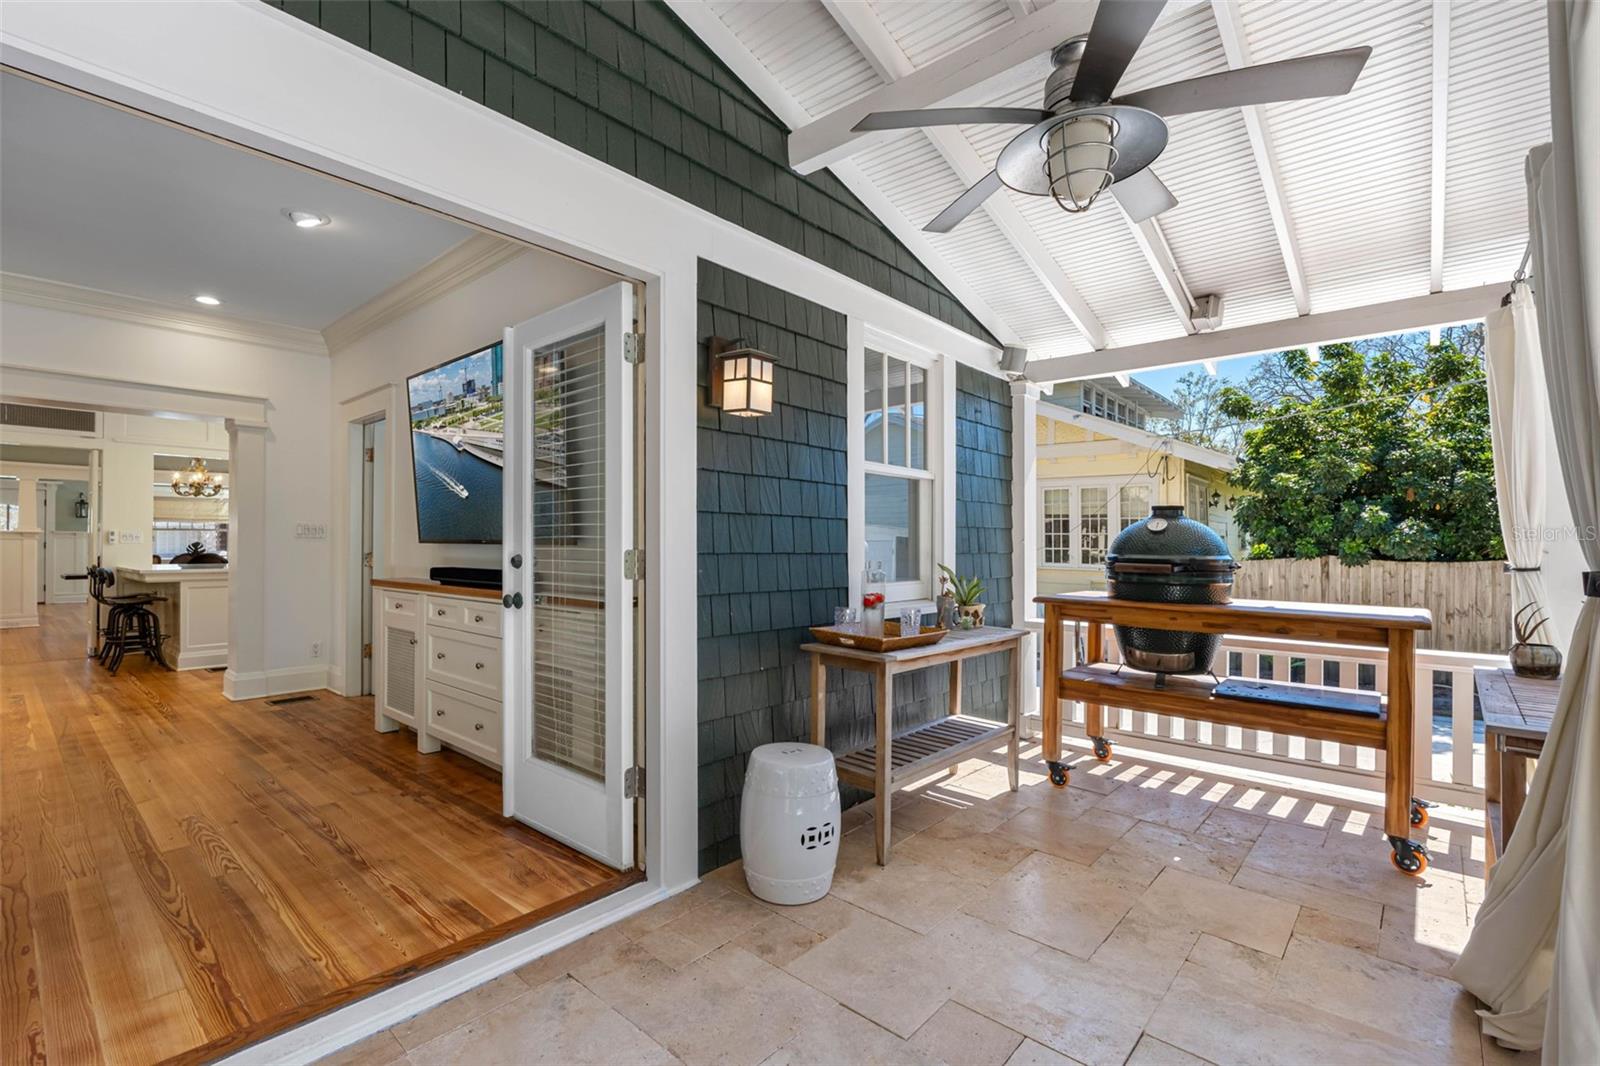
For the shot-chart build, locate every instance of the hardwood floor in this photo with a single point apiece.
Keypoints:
(181, 875)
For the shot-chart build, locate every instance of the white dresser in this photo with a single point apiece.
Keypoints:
(436, 665)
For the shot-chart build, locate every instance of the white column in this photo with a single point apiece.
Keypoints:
(28, 516)
(247, 562)
(1025, 518)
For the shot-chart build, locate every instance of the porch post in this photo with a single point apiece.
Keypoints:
(1025, 525)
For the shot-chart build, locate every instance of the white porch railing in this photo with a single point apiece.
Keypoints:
(1449, 741)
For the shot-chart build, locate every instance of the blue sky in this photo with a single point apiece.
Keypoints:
(1236, 369)
(447, 379)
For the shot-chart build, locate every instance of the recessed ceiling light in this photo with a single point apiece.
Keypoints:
(306, 219)
(207, 299)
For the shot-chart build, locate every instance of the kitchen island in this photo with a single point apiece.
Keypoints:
(193, 611)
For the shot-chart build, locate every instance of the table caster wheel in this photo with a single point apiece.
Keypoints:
(1410, 859)
(1419, 812)
(1102, 749)
(1058, 774)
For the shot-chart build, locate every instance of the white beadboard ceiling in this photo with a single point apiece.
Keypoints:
(1356, 172)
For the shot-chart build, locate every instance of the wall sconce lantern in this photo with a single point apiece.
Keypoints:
(1216, 498)
(80, 507)
(1233, 501)
(741, 378)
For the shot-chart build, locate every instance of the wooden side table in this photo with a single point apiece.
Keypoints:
(926, 749)
(1516, 719)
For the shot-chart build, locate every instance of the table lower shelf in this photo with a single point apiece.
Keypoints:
(923, 750)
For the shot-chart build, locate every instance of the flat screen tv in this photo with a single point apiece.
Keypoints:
(458, 447)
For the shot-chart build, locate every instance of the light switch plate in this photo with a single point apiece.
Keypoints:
(311, 531)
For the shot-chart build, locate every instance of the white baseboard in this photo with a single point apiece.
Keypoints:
(19, 621)
(238, 685)
(377, 1012)
(202, 660)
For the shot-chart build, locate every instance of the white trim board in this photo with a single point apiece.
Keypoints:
(265, 684)
(324, 1035)
(60, 296)
(107, 394)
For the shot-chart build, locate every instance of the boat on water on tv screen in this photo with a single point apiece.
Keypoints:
(457, 412)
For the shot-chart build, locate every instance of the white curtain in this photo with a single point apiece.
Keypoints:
(1518, 406)
(1534, 955)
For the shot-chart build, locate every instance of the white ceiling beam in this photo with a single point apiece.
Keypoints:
(1153, 246)
(830, 138)
(1326, 327)
(1235, 45)
(878, 45)
(1441, 109)
(1020, 9)
(703, 20)
(1210, 365)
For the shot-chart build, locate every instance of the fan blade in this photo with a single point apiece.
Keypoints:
(1143, 195)
(965, 204)
(1119, 29)
(1327, 74)
(949, 116)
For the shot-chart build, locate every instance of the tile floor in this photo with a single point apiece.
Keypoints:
(1150, 914)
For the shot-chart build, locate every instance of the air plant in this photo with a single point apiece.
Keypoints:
(1527, 622)
(966, 590)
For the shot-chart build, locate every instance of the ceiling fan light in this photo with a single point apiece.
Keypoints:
(1078, 159)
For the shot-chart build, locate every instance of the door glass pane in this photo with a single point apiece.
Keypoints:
(919, 418)
(895, 417)
(569, 526)
(894, 526)
(872, 392)
(1198, 505)
(1057, 526)
(1133, 505)
(1093, 524)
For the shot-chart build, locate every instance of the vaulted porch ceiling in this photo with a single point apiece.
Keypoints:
(1409, 186)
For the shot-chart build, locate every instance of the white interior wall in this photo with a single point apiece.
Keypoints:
(466, 319)
(296, 387)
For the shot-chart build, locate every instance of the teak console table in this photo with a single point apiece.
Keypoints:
(926, 749)
(1311, 711)
(1517, 712)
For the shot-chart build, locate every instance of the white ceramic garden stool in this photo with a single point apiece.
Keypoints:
(789, 822)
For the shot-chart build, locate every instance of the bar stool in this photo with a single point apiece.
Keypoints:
(130, 623)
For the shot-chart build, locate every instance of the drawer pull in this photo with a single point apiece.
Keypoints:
(413, 642)
(480, 666)
(477, 618)
(438, 714)
(438, 655)
(478, 726)
(440, 612)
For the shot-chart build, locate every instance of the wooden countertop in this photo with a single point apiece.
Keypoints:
(423, 584)
(1093, 603)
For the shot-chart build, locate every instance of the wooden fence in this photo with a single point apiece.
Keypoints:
(1471, 602)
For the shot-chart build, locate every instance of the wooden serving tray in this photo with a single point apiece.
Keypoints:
(851, 636)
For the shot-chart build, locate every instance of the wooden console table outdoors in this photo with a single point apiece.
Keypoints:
(1312, 711)
(926, 749)
(1516, 719)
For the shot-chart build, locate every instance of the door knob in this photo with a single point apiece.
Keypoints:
(513, 599)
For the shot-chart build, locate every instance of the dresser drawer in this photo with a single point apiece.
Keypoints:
(475, 616)
(464, 721)
(398, 604)
(466, 660)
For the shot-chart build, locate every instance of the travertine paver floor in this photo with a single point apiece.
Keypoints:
(1150, 914)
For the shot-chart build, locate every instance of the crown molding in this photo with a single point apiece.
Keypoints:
(471, 259)
(60, 296)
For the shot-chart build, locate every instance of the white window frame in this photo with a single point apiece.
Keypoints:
(1074, 486)
(938, 478)
(1193, 483)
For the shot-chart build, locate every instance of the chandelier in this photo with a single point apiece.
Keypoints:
(196, 481)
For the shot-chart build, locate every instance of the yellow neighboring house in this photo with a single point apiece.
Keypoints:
(1101, 470)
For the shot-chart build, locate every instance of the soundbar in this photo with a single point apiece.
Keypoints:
(472, 577)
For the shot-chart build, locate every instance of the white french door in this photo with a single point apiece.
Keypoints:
(569, 517)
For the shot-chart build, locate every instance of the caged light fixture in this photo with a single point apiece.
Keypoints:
(741, 378)
(196, 481)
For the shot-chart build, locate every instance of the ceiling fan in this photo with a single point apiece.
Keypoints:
(1085, 141)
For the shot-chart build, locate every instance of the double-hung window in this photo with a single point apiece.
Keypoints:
(899, 476)
(1082, 516)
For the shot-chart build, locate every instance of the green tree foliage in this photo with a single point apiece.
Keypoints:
(1369, 455)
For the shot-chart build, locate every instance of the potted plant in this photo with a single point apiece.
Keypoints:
(966, 590)
(1527, 658)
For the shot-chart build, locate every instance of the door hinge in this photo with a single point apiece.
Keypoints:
(633, 564)
(369, 456)
(633, 348)
(366, 651)
(633, 782)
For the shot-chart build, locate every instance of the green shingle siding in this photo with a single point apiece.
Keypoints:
(674, 116)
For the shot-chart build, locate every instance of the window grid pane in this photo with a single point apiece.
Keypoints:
(1133, 505)
(1093, 525)
(919, 418)
(894, 526)
(872, 393)
(895, 420)
(1057, 510)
